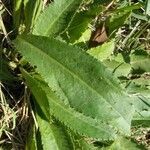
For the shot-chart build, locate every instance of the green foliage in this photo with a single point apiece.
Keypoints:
(31, 139)
(17, 12)
(25, 12)
(74, 120)
(32, 9)
(70, 76)
(148, 8)
(53, 135)
(122, 144)
(140, 60)
(78, 96)
(102, 52)
(56, 17)
(80, 23)
(119, 17)
(118, 68)
(115, 64)
(142, 114)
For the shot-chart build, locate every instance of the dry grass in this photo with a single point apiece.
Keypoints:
(15, 114)
(15, 118)
(142, 136)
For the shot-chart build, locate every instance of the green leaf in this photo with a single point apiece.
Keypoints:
(17, 12)
(118, 17)
(147, 8)
(142, 81)
(140, 61)
(31, 139)
(78, 30)
(123, 144)
(53, 135)
(74, 120)
(115, 64)
(60, 134)
(81, 142)
(141, 102)
(142, 113)
(80, 23)
(102, 52)
(118, 68)
(32, 9)
(128, 8)
(83, 40)
(56, 17)
(141, 17)
(79, 79)
(114, 22)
